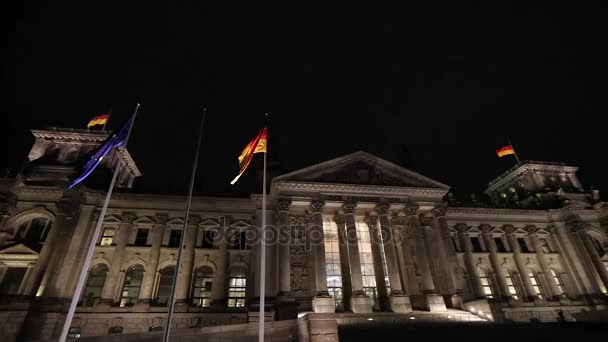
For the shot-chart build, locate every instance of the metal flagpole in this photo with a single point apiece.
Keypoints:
(185, 227)
(263, 253)
(84, 270)
(514, 152)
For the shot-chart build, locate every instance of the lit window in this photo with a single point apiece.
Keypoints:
(165, 284)
(237, 285)
(558, 283)
(107, 238)
(132, 285)
(332, 261)
(202, 286)
(74, 332)
(535, 285)
(367, 260)
(486, 283)
(92, 292)
(513, 291)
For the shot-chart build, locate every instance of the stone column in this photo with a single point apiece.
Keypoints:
(322, 302)
(381, 286)
(284, 255)
(218, 290)
(398, 300)
(427, 247)
(347, 288)
(359, 301)
(573, 289)
(469, 263)
(156, 237)
(503, 287)
(182, 291)
(519, 262)
(595, 259)
(544, 263)
(113, 281)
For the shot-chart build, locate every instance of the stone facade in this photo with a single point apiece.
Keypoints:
(352, 237)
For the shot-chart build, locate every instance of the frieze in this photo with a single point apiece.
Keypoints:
(360, 189)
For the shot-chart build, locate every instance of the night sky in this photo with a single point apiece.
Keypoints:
(436, 86)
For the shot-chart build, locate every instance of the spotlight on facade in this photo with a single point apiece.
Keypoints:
(370, 319)
(412, 317)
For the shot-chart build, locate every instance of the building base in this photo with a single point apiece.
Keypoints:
(435, 302)
(400, 303)
(361, 303)
(323, 304)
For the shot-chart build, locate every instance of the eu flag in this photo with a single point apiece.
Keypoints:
(115, 140)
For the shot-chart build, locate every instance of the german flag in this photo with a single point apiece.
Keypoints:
(99, 120)
(505, 151)
(257, 145)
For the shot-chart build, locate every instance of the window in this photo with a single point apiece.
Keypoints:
(538, 291)
(239, 239)
(523, 246)
(237, 285)
(486, 283)
(544, 245)
(201, 287)
(141, 239)
(209, 238)
(559, 284)
(476, 244)
(455, 243)
(599, 247)
(92, 292)
(165, 284)
(367, 260)
(36, 230)
(107, 238)
(11, 282)
(332, 261)
(132, 285)
(74, 332)
(174, 238)
(513, 291)
(500, 245)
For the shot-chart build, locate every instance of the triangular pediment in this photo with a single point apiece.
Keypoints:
(18, 249)
(361, 168)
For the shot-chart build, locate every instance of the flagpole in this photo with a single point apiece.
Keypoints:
(263, 253)
(182, 238)
(84, 270)
(514, 151)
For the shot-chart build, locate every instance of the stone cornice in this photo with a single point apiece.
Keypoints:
(354, 189)
(85, 136)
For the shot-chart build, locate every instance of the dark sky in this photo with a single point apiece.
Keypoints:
(447, 80)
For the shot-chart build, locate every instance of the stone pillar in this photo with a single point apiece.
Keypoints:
(359, 301)
(595, 259)
(218, 290)
(381, 286)
(347, 288)
(519, 262)
(398, 300)
(322, 302)
(113, 280)
(503, 287)
(156, 237)
(182, 291)
(544, 263)
(469, 263)
(284, 255)
(427, 246)
(573, 289)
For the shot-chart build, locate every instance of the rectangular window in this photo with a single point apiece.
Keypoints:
(141, 239)
(174, 238)
(523, 246)
(11, 282)
(209, 237)
(236, 292)
(107, 238)
(367, 260)
(455, 243)
(544, 245)
(535, 285)
(332, 260)
(476, 244)
(511, 286)
(500, 245)
(239, 240)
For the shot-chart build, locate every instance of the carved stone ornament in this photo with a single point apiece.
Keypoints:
(461, 228)
(532, 230)
(316, 206)
(371, 220)
(411, 209)
(283, 204)
(349, 207)
(509, 229)
(340, 219)
(194, 220)
(439, 211)
(399, 220)
(128, 216)
(426, 219)
(485, 228)
(382, 208)
(162, 218)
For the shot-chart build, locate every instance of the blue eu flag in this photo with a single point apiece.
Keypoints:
(118, 139)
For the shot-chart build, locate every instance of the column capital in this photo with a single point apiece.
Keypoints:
(382, 208)
(411, 209)
(194, 220)
(485, 228)
(509, 229)
(439, 211)
(531, 229)
(426, 219)
(283, 204)
(575, 225)
(340, 219)
(316, 206)
(162, 218)
(349, 207)
(371, 220)
(399, 220)
(128, 216)
(461, 228)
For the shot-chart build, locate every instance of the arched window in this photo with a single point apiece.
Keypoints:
(237, 284)
(35, 230)
(486, 283)
(559, 284)
(201, 287)
(132, 285)
(165, 284)
(538, 290)
(92, 292)
(513, 290)
(332, 261)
